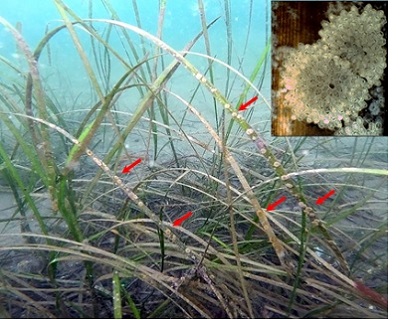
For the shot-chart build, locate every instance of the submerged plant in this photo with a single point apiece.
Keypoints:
(124, 245)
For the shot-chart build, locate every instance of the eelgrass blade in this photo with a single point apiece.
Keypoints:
(81, 251)
(18, 183)
(229, 40)
(167, 231)
(117, 305)
(203, 20)
(243, 282)
(89, 70)
(144, 104)
(131, 303)
(35, 89)
(279, 249)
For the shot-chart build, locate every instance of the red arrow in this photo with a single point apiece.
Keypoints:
(128, 168)
(322, 199)
(276, 203)
(179, 221)
(246, 104)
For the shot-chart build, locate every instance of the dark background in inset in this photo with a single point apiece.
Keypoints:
(295, 22)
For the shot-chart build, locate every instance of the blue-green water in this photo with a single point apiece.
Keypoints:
(181, 24)
(181, 17)
(62, 67)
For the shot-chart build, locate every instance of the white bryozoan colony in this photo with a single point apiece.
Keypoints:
(329, 82)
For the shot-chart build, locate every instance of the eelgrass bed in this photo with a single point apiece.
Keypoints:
(84, 239)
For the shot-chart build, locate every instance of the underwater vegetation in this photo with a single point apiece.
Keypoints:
(139, 177)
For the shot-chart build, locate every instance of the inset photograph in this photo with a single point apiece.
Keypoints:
(329, 68)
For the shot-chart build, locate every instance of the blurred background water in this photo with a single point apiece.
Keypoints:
(68, 85)
(62, 66)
